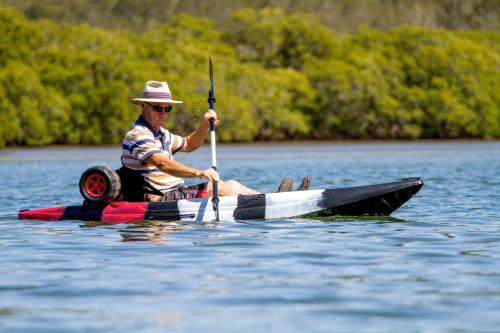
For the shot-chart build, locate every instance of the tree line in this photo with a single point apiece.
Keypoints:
(278, 77)
(339, 15)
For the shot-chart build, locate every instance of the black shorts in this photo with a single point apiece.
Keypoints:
(182, 192)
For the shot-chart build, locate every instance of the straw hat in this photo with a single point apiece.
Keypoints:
(155, 92)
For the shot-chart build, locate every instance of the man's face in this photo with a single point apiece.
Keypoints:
(156, 113)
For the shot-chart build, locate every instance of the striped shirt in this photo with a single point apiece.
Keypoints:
(142, 141)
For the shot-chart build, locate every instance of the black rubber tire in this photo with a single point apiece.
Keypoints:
(99, 185)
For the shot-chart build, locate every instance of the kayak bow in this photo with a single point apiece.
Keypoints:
(380, 199)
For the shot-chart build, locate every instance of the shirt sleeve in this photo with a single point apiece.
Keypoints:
(142, 145)
(177, 143)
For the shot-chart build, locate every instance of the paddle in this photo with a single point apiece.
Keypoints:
(211, 104)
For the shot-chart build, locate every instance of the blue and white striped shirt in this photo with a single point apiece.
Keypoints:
(142, 141)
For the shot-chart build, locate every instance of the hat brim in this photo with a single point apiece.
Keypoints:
(138, 101)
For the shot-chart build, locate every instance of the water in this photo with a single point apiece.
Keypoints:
(434, 266)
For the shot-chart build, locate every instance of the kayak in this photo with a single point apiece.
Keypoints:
(379, 199)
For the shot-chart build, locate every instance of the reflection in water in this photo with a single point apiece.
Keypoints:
(345, 218)
(153, 231)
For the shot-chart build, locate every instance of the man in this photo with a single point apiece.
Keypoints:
(148, 149)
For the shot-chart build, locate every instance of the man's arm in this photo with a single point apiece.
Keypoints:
(196, 139)
(176, 169)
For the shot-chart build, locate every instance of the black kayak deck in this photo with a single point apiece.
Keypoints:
(379, 199)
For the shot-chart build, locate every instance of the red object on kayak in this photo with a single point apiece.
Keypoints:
(115, 212)
(95, 185)
(125, 211)
(43, 214)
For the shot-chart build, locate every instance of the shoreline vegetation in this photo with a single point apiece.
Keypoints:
(279, 77)
(206, 144)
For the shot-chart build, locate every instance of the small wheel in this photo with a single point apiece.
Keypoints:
(99, 184)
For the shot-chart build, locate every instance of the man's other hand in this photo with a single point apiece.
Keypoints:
(209, 174)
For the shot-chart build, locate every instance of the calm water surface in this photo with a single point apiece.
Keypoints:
(434, 266)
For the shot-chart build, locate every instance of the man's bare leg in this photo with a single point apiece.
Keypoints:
(230, 187)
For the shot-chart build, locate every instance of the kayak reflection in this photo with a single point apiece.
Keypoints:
(148, 231)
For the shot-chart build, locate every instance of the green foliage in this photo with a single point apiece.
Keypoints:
(461, 82)
(278, 77)
(340, 15)
(276, 40)
(408, 83)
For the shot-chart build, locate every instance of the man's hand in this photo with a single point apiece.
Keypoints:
(195, 139)
(209, 115)
(209, 174)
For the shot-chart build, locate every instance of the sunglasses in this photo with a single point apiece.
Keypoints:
(159, 108)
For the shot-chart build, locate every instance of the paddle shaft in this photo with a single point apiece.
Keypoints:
(215, 185)
(212, 144)
(211, 104)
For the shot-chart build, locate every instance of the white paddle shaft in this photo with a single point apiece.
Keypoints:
(212, 146)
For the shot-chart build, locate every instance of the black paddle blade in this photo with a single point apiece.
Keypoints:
(210, 69)
(211, 94)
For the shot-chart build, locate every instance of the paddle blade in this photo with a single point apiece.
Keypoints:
(210, 69)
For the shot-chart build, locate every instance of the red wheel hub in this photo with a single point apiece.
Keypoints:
(95, 185)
